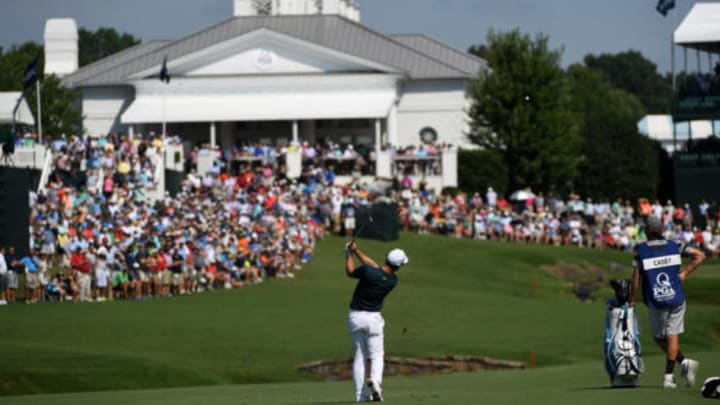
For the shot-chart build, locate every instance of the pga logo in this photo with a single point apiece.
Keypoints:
(264, 59)
(662, 290)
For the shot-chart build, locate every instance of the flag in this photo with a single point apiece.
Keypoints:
(702, 83)
(31, 74)
(164, 75)
(664, 6)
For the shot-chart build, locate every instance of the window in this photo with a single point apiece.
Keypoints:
(428, 134)
(263, 7)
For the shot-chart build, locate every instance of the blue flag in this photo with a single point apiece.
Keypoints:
(164, 75)
(664, 6)
(31, 74)
(702, 83)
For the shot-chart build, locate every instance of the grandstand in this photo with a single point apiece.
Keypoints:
(697, 98)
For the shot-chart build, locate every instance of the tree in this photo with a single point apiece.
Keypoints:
(60, 113)
(617, 161)
(635, 74)
(478, 50)
(13, 64)
(104, 42)
(522, 110)
(478, 169)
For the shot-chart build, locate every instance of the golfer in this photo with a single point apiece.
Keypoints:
(365, 321)
(657, 266)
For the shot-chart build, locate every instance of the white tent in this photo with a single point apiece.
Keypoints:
(657, 127)
(660, 128)
(700, 29)
(8, 100)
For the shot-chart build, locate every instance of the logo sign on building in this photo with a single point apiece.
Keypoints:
(264, 59)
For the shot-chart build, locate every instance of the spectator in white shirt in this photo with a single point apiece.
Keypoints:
(491, 197)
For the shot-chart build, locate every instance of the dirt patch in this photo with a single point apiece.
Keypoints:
(341, 369)
(585, 280)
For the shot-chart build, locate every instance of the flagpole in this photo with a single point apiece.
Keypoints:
(672, 73)
(164, 123)
(14, 116)
(39, 108)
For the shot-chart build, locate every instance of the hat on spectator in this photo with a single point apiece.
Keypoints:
(654, 225)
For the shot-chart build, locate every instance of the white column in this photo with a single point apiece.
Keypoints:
(131, 131)
(449, 168)
(295, 132)
(392, 126)
(293, 161)
(213, 135)
(378, 135)
(379, 158)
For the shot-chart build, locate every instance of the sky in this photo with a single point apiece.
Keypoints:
(579, 27)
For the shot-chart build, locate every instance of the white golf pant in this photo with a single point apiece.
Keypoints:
(84, 283)
(366, 330)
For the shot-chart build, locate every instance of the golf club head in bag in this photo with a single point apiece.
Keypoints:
(622, 290)
(623, 351)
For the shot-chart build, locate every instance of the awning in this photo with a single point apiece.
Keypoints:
(700, 29)
(8, 100)
(259, 107)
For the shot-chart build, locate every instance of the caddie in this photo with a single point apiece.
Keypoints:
(657, 268)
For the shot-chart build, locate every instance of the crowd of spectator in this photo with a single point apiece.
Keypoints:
(95, 225)
(575, 221)
(96, 235)
(419, 160)
(348, 159)
(344, 159)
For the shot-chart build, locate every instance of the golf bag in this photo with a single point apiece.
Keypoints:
(711, 388)
(623, 353)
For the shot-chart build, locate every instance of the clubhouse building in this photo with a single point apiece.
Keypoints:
(277, 71)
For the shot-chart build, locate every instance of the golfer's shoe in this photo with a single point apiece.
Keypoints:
(364, 397)
(375, 391)
(688, 371)
(668, 382)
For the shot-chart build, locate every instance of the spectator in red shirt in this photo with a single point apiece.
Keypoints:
(679, 215)
(81, 266)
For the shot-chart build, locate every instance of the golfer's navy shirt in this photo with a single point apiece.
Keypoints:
(373, 286)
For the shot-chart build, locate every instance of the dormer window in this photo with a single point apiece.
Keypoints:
(263, 7)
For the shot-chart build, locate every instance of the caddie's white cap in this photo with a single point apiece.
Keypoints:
(396, 258)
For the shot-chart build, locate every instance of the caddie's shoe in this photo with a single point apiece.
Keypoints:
(375, 391)
(688, 371)
(668, 382)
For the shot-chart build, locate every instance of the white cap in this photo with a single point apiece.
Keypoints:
(396, 258)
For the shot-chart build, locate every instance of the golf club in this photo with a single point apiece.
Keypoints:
(362, 228)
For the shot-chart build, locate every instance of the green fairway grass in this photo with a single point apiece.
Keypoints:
(560, 385)
(454, 297)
